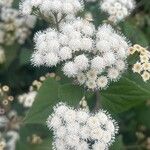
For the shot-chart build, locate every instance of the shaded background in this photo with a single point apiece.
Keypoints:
(18, 74)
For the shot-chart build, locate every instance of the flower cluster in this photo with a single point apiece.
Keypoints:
(117, 9)
(13, 26)
(93, 57)
(142, 66)
(7, 3)
(27, 99)
(5, 99)
(80, 130)
(2, 56)
(9, 121)
(51, 8)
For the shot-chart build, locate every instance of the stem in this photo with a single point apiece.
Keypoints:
(56, 21)
(97, 101)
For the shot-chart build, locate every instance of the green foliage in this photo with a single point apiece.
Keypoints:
(125, 99)
(50, 93)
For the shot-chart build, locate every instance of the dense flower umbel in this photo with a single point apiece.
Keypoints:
(80, 130)
(142, 66)
(93, 57)
(13, 26)
(9, 121)
(51, 8)
(117, 9)
(6, 2)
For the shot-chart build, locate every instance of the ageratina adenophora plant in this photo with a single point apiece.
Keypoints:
(92, 57)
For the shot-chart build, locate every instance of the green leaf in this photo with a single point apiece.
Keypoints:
(118, 144)
(26, 133)
(129, 92)
(143, 117)
(42, 107)
(25, 56)
(70, 93)
(134, 34)
(11, 55)
(51, 93)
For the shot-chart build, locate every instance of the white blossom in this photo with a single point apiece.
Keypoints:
(75, 129)
(13, 26)
(117, 9)
(86, 53)
(142, 66)
(50, 7)
(27, 99)
(7, 3)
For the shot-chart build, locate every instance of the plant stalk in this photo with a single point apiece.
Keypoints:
(97, 101)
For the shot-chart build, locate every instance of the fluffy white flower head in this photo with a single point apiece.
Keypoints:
(87, 54)
(79, 129)
(117, 9)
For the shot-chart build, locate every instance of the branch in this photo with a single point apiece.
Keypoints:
(56, 21)
(97, 101)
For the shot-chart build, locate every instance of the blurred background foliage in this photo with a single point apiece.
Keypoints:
(18, 74)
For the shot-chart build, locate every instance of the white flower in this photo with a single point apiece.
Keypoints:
(107, 137)
(51, 59)
(65, 53)
(81, 62)
(27, 99)
(83, 146)
(103, 46)
(137, 67)
(54, 122)
(99, 146)
(72, 140)
(14, 27)
(82, 116)
(26, 7)
(59, 144)
(73, 128)
(98, 63)
(113, 74)
(110, 126)
(84, 132)
(86, 53)
(102, 117)
(146, 76)
(92, 74)
(48, 7)
(87, 44)
(30, 97)
(96, 133)
(70, 115)
(109, 58)
(61, 132)
(81, 78)
(78, 129)
(60, 110)
(118, 9)
(91, 84)
(3, 121)
(142, 66)
(120, 65)
(37, 59)
(70, 69)
(93, 122)
(7, 3)
(102, 82)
